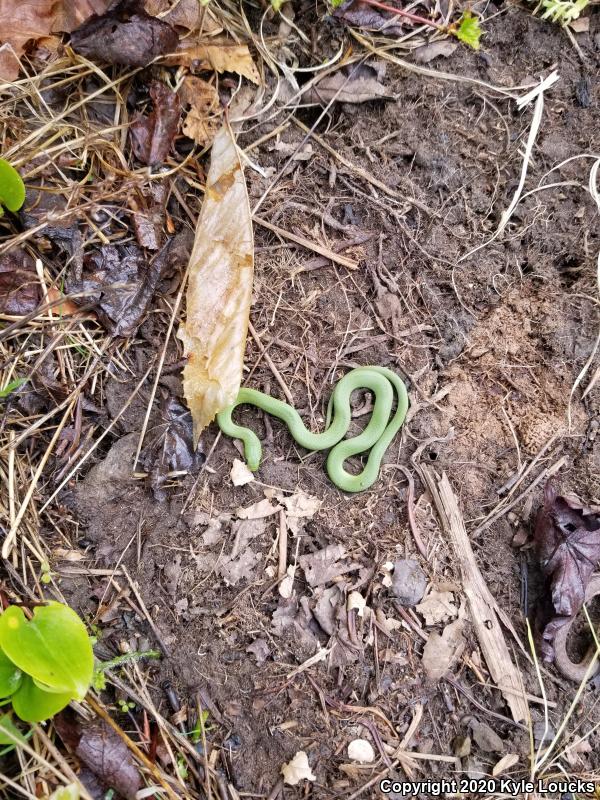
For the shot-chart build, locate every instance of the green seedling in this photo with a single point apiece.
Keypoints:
(467, 29)
(10, 387)
(45, 662)
(125, 705)
(12, 188)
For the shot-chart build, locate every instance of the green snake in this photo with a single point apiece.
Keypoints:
(376, 437)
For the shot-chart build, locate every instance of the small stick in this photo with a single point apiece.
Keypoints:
(276, 374)
(151, 622)
(343, 261)
(204, 749)
(283, 546)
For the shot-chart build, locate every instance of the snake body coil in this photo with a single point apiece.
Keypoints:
(376, 437)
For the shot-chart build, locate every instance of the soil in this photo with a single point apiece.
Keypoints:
(490, 348)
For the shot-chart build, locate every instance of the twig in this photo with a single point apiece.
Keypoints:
(343, 261)
(402, 13)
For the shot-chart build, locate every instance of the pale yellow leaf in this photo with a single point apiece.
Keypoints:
(219, 288)
(506, 762)
(222, 55)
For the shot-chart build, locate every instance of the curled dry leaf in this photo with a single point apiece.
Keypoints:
(506, 762)
(298, 769)
(567, 536)
(102, 751)
(126, 35)
(153, 135)
(203, 119)
(219, 289)
(221, 55)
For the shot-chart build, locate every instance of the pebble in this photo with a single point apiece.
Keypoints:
(408, 582)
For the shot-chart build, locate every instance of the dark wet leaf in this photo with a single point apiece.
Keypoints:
(46, 211)
(121, 284)
(171, 447)
(567, 536)
(152, 135)
(19, 284)
(362, 15)
(102, 751)
(126, 35)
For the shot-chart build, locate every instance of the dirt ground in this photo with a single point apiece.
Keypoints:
(489, 347)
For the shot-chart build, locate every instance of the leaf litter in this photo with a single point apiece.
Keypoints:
(567, 536)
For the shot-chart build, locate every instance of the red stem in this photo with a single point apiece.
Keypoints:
(400, 12)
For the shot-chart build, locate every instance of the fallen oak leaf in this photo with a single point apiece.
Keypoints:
(153, 135)
(221, 55)
(441, 652)
(219, 291)
(125, 35)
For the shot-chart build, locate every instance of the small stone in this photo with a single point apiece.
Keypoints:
(461, 746)
(408, 582)
(486, 738)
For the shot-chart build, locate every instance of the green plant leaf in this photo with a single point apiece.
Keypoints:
(70, 792)
(469, 30)
(53, 648)
(10, 387)
(32, 704)
(9, 731)
(12, 188)
(10, 676)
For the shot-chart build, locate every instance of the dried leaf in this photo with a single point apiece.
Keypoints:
(240, 474)
(182, 14)
(356, 601)
(363, 15)
(299, 504)
(219, 288)
(324, 565)
(126, 35)
(428, 52)
(171, 448)
(102, 750)
(437, 607)
(260, 649)
(19, 284)
(361, 750)
(506, 762)
(121, 284)
(24, 21)
(485, 737)
(221, 55)
(203, 119)
(153, 135)
(354, 84)
(258, 510)
(442, 651)
(567, 536)
(298, 769)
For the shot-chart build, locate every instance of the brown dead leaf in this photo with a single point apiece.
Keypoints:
(221, 55)
(437, 607)
(442, 651)
(427, 52)
(219, 288)
(324, 565)
(363, 15)
(126, 35)
(258, 510)
(153, 135)
(354, 84)
(102, 750)
(19, 284)
(203, 118)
